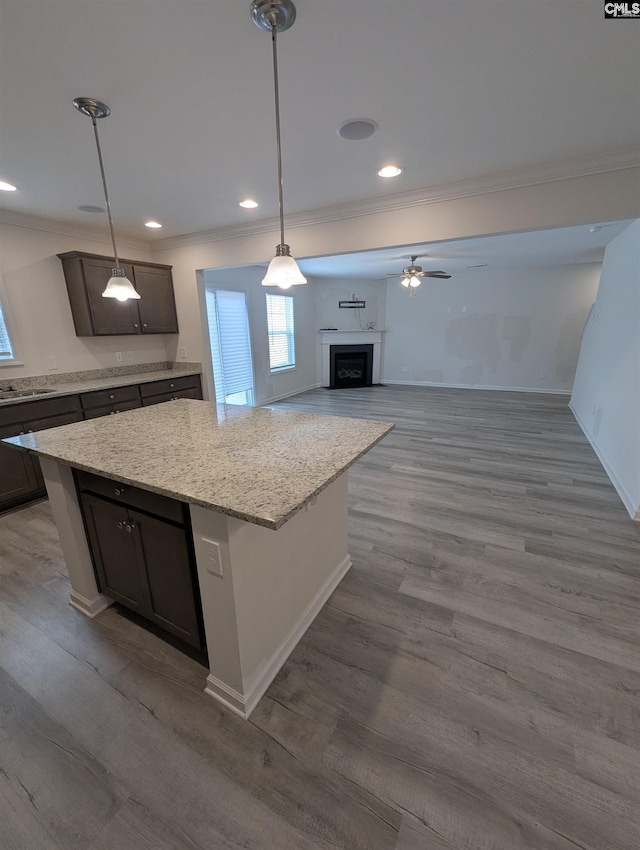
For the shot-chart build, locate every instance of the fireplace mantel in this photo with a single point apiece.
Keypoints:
(351, 337)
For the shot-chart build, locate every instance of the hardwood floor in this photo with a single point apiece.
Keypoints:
(473, 683)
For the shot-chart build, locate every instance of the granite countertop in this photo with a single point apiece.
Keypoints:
(78, 383)
(256, 464)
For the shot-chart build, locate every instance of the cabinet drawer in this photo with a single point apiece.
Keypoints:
(28, 411)
(125, 494)
(190, 392)
(168, 386)
(114, 407)
(101, 398)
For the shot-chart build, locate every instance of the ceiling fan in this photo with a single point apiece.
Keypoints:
(412, 275)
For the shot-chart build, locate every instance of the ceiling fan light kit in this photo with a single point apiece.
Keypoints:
(276, 16)
(412, 275)
(118, 286)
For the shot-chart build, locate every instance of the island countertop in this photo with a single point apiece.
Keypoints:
(260, 465)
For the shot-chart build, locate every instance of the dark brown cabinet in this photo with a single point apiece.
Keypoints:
(155, 392)
(142, 554)
(20, 476)
(106, 402)
(86, 276)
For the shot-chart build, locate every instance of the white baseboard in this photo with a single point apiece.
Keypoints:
(89, 607)
(632, 509)
(262, 678)
(288, 395)
(477, 387)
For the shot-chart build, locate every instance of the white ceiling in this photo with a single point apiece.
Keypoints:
(459, 89)
(557, 247)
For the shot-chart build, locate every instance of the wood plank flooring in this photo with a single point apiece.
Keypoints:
(473, 683)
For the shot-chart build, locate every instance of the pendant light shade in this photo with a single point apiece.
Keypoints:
(118, 286)
(276, 16)
(283, 270)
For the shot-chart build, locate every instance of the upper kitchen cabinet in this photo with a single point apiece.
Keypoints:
(86, 276)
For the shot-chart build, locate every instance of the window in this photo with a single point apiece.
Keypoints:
(282, 351)
(6, 351)
(230, 346)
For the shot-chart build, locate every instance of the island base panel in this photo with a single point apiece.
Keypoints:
(273, 584)
(61, 489)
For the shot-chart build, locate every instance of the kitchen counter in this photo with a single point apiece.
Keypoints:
(76, 382)
(256, 464)
(267, 500)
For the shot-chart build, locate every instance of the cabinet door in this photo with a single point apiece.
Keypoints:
(18, 479)
(108, 315)
(114, 546)
(165, 554)
(157, 306)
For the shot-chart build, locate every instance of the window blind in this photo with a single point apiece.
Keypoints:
(230, 343)
(282, 352)
(6, 352)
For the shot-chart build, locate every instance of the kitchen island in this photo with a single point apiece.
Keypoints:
(265, 495)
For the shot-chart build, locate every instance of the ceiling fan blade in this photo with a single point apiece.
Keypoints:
(439, 275)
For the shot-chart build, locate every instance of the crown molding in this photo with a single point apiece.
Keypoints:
(602, 163)
(75, 231)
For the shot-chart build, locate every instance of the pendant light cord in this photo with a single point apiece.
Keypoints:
(106, 193)
(274, 36)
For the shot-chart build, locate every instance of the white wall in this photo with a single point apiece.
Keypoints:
(490, 328)
(556, 203)
(39, 314)
(329, 291)
(606, 392)
(267, 386)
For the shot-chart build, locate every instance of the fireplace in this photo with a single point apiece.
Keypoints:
(351, 365)
(357, 340)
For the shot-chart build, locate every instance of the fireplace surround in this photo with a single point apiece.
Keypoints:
(357, 339)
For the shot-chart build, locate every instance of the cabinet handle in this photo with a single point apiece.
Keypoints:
(119, 491)
(135, 324)
(120, 524)
(112, 396)
(130, 526)
(171, 386)
(144, 324)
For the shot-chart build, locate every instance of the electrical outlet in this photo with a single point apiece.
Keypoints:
(52, 363)
(183, 352)
(449, 309)
(464, 309)
(128, 355)
(405, 368)
(543, 374)
(213, 556)
(118, 357)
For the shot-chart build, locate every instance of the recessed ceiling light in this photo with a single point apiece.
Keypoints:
(153, 224)
(6, 187)
(389, 171)
(248, 204)
(357, 129)
(90, 208)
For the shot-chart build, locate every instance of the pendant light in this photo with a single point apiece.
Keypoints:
(118, 285)
(276, 16)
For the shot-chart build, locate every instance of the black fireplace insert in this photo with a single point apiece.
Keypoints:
(351, 365)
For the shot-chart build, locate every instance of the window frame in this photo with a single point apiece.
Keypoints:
(7, 320)
(289, 332)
